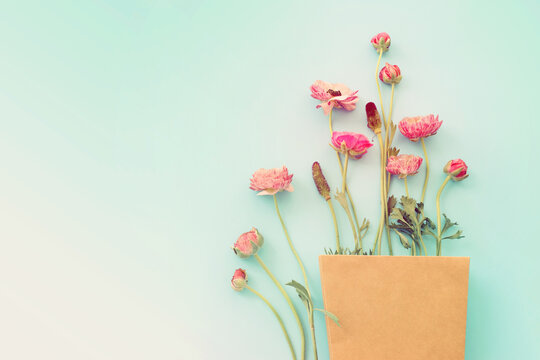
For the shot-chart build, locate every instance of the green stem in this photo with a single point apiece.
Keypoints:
(344, 173)
(313, 339)
(278, 319)
(350, 200)
(288, 299)
(291, 245)
(406, 187)
(439, 240)
(427, 171)
(379, 87)
(383, 194)
(338, 246)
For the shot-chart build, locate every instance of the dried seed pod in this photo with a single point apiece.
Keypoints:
(320, 181)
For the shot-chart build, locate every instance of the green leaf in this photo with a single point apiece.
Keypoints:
(302, 293)
(403, 239)
(457, 235)
(447, 224)
(330, 315)
(391, 204)
(409, 206)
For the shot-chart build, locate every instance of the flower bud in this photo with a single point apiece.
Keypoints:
(320, 181)
(381, 41)
(239, 280)
(373, 118)
(248, 243)
(457, 169)
(390, 74)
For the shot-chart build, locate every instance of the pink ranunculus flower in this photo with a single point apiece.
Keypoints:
(457, 169)
(381, 41)
(239, 280)
(390, 74)
(418, 127)
(403, 165)
(354, 144)
(248, 243)
(331, 96)
(271, 181)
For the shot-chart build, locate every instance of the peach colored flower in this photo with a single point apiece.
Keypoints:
(239, 280)
(354, 144)
(381, 41)
(271, 181)
(453, 167)
(248, 243)
(390, 74)
(418, 127)
(333, 95)
(403, 165)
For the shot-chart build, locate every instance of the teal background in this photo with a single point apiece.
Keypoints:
(130, 130)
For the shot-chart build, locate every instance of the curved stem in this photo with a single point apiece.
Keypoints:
(427, 171)
(406, 187)
(439, 240)
(288, 299)
(338, 246)
(391, 104)
(422, 241)
(278, 319)
(291, 245)
(379, 88)
(413, 248)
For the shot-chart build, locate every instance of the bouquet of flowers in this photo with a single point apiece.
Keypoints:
(404, 219)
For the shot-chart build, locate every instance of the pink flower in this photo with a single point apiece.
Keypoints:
(403, 165)
(418, 127)
(271, 181)
(239, 280)
(457, 169)
(248, 243)
(333, 95)
(390, 74)
(381, 41)
(354, 144)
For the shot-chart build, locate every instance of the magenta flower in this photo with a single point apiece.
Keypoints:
(354, 144)
(271, 181)
(248, 243)
(403, 165)
(381, 41)
(390, 74)
(453, 167)
(333, 95)
(239, 280)
(418, 127)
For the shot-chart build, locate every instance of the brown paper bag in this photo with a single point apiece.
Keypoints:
(395, 307)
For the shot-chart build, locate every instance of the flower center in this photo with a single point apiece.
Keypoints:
(334, 92)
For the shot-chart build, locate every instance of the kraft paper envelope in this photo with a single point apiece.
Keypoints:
(395, 307)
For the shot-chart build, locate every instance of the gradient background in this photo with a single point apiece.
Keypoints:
(130, 130)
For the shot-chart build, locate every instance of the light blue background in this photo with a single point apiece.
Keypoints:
(130, 130)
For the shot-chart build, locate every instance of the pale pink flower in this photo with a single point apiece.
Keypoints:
(333, 95)
(403, 165)
(390, 74)
(453, 168)
(248, 243)
(418, 127)
(239, 280)
(381, 41)
(271, 181)
(354, 144)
